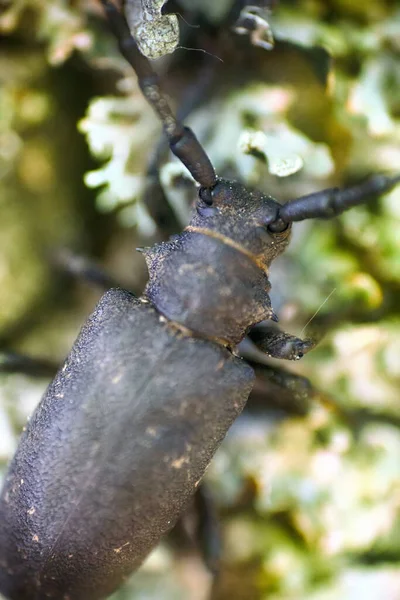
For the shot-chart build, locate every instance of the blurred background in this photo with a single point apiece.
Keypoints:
(308, 493)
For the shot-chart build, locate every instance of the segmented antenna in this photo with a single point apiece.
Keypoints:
(184, 144)
(329, 203)
(182, 141)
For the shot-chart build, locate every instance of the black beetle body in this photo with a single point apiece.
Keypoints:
(114, 451)
(126, 430)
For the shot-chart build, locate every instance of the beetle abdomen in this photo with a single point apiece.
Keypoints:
(113, 452)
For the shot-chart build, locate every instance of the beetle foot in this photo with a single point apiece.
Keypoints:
(278, 344)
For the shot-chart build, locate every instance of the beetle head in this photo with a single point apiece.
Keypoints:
(244, 216)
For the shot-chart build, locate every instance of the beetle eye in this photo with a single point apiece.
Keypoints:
(205, 195)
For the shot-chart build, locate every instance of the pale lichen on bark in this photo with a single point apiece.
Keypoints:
(155, 34)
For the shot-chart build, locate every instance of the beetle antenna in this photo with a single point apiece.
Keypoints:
(332, 201)
(182, 141)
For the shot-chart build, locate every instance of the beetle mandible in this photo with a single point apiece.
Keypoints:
(125, 431)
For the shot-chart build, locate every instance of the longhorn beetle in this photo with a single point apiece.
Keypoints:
(124, 433)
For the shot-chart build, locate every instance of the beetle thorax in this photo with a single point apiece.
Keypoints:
(208, 286)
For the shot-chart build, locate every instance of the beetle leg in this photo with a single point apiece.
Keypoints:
(155, 201)
(278, 344)
(280, 390)
(83, 268)
(275, 388)
(198, 531)
(13, 362)
(208, 535)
